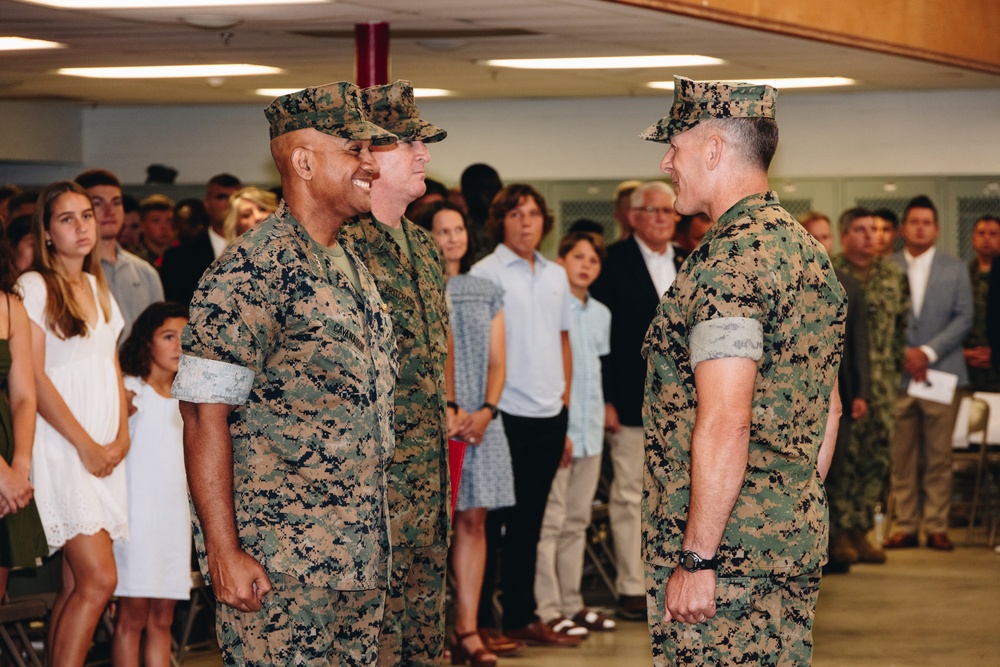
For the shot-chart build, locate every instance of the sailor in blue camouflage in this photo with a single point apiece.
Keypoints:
(742, 361)
(286, 383)
(407, 268)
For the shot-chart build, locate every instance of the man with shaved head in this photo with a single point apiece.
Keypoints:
(286, 388)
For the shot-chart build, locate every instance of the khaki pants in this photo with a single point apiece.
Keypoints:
(559, 569)
(302, 625)
(625, 507)
(923, 434)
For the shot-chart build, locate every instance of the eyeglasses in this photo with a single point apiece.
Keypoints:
(653, 210)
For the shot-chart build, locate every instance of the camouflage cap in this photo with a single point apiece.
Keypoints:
(391, 106)
(698, 101)
(333, 108)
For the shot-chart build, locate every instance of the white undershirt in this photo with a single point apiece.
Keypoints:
(918, 272)
(218, 242)
(660, 266)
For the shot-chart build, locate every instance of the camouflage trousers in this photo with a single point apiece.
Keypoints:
(859, 473)
(302, 625)
(764, 621)
(412, 630)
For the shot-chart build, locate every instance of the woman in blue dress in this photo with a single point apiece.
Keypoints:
(477, 378)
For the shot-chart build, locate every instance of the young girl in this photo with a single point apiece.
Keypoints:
(154, 563)
(22, 541)
(81, 434)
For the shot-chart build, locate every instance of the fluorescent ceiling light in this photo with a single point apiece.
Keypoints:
(432, 92)
(24, 44)
(613, 62)
(417, 92)
(168, 72)
(801, 82)
(161, 4)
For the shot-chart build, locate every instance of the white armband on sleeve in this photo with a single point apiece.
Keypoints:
(209, 381)
(726, 337)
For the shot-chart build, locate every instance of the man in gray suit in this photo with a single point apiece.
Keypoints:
(940, 317)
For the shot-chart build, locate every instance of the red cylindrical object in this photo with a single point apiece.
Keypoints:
(371, 53)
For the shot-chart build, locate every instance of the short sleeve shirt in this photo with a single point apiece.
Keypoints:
(757, 287)
(590, 339)
(536, 305)
(309, 363)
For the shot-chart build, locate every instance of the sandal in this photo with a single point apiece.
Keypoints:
(478, 657)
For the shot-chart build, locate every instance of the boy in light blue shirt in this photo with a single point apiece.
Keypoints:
(567, 514)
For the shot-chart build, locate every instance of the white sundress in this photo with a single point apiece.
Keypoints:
(71, 501)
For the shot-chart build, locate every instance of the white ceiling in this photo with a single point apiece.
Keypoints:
(315, 44)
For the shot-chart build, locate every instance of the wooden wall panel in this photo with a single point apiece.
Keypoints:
(964, 33)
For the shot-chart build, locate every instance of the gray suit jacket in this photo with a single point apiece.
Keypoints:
(946, 315)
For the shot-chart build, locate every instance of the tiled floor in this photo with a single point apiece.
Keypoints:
(922, 608)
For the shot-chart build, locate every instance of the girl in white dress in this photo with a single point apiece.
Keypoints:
(81, 433)
(154, 563)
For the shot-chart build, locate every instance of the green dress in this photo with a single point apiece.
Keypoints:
(22, 539)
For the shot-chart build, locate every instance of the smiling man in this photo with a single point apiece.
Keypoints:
(741, 406)
(404, 261)
(286, 389)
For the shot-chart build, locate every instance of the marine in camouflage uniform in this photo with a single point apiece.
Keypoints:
(985, 243)
(887, 296)
(758, 288)
(406, 265)
(286, 383)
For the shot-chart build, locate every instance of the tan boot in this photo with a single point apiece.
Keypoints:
(867, 553)
(842, 549)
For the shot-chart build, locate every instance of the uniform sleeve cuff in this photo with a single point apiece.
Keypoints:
(209, 381)
(726, 337)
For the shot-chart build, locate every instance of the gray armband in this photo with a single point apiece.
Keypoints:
(209, 381)
(726, 337)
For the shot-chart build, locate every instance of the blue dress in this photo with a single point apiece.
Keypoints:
(487, 476)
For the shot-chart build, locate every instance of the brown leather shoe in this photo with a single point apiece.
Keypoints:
(539, 634)
(498, 643)
(939, 541)
(902, 541)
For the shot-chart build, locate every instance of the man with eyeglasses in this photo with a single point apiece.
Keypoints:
(637, 273)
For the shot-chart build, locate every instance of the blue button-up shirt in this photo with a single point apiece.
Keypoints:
(536, 306)
(590, 338)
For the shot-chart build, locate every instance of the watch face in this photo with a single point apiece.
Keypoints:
(689, 562)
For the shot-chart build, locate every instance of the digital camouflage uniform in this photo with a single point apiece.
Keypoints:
(887, 295)
(980, 379)
(413, 626)
(277, 331)
(759, 287)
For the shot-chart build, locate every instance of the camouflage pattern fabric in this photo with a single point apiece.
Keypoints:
(391, 107)
(412, 631)
(980, 379)
(866, 471)
(305, 626)
(313, 437)
(755, 264)
(765, 622)
(333, 108)
(698, 101)
(418, 474)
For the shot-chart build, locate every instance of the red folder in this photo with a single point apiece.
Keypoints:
(456, 455)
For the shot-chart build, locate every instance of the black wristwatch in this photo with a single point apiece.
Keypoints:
(494, 410)
(692, 562)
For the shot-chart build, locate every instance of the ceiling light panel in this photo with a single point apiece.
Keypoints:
(11, 43)
(169, 71)
(162, 4)
(793, 82)
(613, 62)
